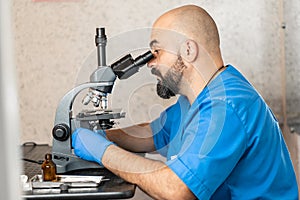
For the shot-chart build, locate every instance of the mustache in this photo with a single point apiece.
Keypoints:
(156, 72)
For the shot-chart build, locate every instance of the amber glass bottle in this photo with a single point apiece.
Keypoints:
(48, 168)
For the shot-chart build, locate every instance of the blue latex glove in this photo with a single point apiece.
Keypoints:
(101, 132)
(90, 145)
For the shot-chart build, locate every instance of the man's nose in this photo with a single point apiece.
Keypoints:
(151, 63)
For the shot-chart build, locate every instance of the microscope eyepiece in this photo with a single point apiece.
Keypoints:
(127, 66)
(143, 59)
(100, 32)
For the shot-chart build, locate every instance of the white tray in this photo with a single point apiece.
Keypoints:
(73, 181)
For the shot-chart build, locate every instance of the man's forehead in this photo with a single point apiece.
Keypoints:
(162, 35)
(166, 39)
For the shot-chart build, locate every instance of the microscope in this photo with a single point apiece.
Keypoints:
(100, 85)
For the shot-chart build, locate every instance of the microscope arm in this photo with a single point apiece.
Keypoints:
(65, 105)
(62, 130)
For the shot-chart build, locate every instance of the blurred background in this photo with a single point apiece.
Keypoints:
(54, 50)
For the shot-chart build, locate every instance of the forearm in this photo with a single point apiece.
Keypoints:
(137, 138)
(154, 177)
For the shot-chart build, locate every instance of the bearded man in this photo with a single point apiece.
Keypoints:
(220, 138)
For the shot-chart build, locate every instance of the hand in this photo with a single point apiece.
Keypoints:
(89, 145)
(101, 132)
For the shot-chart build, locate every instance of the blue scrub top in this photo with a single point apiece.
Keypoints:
(227, 144)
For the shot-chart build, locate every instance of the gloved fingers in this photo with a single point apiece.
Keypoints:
(82, 152)
(74, 137)
(89, 145)
(102, 133)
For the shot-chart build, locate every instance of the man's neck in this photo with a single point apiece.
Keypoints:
(193, 89)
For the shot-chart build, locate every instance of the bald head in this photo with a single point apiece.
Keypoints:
(194, 23)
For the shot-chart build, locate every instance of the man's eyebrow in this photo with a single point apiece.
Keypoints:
(153, 42)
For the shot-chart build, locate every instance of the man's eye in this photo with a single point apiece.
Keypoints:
(156, 51)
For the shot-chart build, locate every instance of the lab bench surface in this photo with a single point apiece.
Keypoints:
(112, 188)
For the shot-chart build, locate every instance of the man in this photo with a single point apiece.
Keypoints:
(220, 138)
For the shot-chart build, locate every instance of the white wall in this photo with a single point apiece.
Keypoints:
(54, 44)
(292, 46)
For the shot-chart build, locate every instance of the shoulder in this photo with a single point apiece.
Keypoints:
(232, 88)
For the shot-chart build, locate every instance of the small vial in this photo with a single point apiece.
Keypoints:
(48, 168)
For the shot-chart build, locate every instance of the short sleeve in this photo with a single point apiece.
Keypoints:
(160, 130)
(213, 142)
(167, 125)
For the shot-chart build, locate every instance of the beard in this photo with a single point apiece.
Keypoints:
(168, 86)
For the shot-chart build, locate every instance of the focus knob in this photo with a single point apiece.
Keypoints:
(61, 132)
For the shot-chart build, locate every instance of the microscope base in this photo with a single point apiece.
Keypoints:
(67, 163)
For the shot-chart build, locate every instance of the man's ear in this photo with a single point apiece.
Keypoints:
(189, 50)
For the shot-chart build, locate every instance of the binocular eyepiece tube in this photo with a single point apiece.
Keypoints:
(127, 66)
